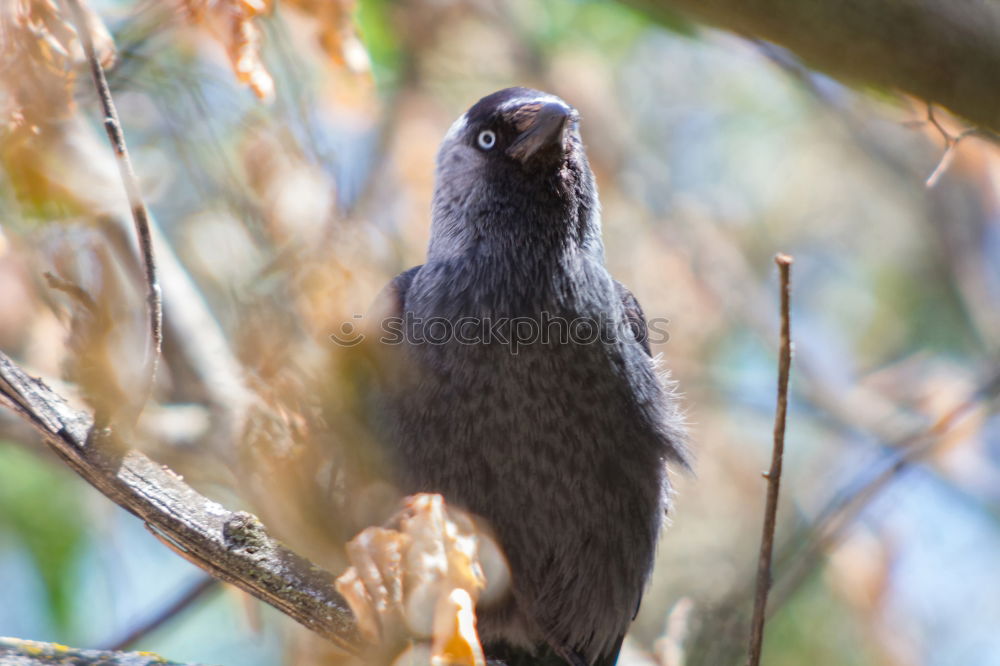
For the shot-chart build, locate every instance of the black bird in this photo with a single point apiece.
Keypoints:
(523, 389)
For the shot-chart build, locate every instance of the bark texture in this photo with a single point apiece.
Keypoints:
(232, 546)
(17, 652)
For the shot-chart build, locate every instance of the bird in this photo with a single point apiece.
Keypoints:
(521, 385)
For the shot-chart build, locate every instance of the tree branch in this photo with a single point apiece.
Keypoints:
(763, 586)
(805, 549)
(195, 332)
(945, 52)
(140, 215)
(195, 592)
(231, 546)
(35, 653)
(714, 640)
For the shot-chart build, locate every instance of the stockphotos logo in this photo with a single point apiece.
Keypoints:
(512, 332)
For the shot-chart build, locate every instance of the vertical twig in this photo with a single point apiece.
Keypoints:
(784, 263)
(140, 216)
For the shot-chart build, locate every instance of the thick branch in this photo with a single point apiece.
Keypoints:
(17, 652)
(232, 546)
(946, 52)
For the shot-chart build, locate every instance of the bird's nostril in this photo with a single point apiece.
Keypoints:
(552, 113)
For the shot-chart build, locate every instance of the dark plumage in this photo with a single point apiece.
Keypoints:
(562, 445)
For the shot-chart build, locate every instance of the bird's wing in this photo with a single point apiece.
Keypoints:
(392, 298)
(372, 366)
(634, 316)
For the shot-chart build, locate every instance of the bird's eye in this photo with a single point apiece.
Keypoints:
(487, 139)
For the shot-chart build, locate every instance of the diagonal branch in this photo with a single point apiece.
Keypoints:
(860, 409)
(140, 215)
(231, 546)
(951, 142)
(194, 593)
(945, 52)
(17, 652)
(805, 549)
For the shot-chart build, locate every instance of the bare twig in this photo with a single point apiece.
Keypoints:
(231, 546)
(970, 273)
(894, 428)
(197, 335)
(805, 550)
(191, 595)
(784, 263)
(946, 53)
(951, 142)
(71, 289)
(828, 528)
(140, 215)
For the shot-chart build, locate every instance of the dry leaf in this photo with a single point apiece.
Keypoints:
(424, 577)
(233, 24)
(40, 54)
(337, 35)
(455, 637)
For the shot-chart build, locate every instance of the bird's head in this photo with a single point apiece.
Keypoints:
(513, 167)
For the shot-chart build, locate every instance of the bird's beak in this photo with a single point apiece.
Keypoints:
(542, 126)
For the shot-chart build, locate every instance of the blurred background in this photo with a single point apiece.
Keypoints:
(287, 154)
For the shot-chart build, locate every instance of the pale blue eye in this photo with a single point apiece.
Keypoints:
(487, 139)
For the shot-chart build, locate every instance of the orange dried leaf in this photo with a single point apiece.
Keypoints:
(40, 53)
(456, 641)
(425, 577)
(352, 588)
(337, 34)
(232, 23)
